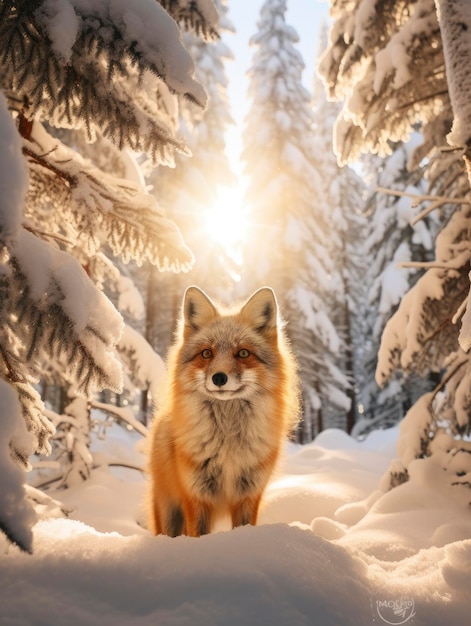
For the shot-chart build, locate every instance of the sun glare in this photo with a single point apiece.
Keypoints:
(226, 221)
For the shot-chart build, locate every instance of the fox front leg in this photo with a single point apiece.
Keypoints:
(167, 519)
(198, 518)
(245, 512)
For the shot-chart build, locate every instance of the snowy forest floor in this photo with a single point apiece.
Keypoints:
(330, 549)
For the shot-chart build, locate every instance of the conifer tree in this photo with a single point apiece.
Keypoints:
(288, 246)
(108, 71)
(392, 240)
(343, 204)
(385, 96)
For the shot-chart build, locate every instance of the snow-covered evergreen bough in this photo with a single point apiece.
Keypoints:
(112, 71)
(385, 97)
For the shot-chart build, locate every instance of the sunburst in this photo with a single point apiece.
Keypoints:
(226, 221)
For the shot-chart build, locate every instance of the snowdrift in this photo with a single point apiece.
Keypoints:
(331, 549)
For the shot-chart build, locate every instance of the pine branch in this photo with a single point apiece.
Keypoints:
(86, 90)
(36, 421)
(430, 341)
(8, 358)
(47, 235)
(457, 263)
(131, 466)
(446, 379)
(46, 328)
(130, 220)
(437, 201)
(192, 17)
(43, 161)
(123, 414)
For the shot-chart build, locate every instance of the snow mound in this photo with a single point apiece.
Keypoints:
(344, 553)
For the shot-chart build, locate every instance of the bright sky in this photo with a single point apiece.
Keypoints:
(305, 16)
(225, 221)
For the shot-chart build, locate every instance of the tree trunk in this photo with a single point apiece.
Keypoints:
(454, 18)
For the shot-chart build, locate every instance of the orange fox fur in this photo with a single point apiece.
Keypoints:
(232, 398)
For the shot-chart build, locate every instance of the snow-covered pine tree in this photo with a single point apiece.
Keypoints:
(107, 69)
(190, 190)
(385, 95)
(343, 207)
(289, 245)
(121, 282)
(391, 240)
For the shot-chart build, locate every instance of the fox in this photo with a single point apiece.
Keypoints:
(232, 398)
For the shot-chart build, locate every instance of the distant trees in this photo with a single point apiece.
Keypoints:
(277, 155)
(343, 207)
(111, 74)
(392, 240)
(385, 95)
(296, 218)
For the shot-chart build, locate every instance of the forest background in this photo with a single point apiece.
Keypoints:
(355, 209)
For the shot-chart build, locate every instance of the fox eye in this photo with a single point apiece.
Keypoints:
(243, 354)
(207, 353)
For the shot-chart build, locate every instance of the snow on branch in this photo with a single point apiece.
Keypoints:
(146, 365)
(37, 424)
(452, 258)
(101, 207)
(16, 514)
(67, 60)
(111, 70)
(124, 414)
(13, 176)
(57, 299)
(421, 334)
(199, 15)
(385, 63)
(437, 201)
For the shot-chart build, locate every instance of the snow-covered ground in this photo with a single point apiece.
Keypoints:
(330, 549)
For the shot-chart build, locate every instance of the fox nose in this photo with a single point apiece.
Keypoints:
(219, 379)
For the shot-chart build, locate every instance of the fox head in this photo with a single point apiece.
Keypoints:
(227, 354)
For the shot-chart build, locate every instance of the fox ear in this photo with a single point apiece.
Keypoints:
(198, 309)
(261, 310)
